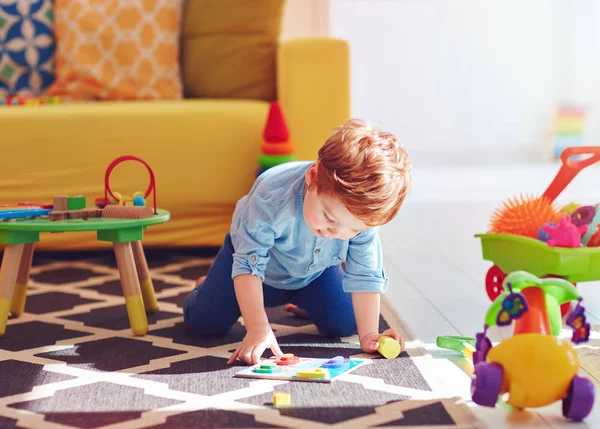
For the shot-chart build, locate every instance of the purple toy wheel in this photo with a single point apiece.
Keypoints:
(486, 384)
(579, 400)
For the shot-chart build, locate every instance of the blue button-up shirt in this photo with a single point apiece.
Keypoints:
(272, 240)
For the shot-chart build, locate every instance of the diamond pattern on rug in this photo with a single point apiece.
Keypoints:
(18, 377)
(401, 371)
(95, 405)
(63, 276)
(207, 375)
(110, 354)
(427, 415)
(49, 302)
(181, 335)
(6, 423)
(115, 317)
(212, 418)
(328, 403)
(72, 360)
(113, 287)
(31, 335)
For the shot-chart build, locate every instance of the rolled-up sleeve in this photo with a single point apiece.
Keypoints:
(253, 238)
(364, 264)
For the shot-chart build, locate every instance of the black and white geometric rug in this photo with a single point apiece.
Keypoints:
(71, 361)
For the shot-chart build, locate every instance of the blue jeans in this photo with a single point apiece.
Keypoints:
(212, 308)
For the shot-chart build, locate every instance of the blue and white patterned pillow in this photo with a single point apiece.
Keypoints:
(27, 46)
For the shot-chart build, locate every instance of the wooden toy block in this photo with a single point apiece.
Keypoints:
(61, 203)
(282, 399)
(57, 215)
(388, 347)
(91, 213)
(313, 373)
(127, 212)
(75, 214)
(76, 203)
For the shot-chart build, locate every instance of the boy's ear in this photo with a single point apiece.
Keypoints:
(312, 172)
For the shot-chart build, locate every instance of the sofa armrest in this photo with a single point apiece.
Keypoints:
(313, 88)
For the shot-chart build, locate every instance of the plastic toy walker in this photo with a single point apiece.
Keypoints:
(541, 256)
(534, 368)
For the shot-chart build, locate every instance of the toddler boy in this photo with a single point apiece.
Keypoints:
(290, 235)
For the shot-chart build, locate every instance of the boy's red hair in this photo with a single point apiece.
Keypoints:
(368, 170)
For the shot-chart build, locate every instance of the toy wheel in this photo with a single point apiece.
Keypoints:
(579, 400)
(566, 307)
(493, 282)
(486, 384)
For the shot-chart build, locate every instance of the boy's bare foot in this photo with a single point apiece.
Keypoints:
(200, 280)
(296, 310)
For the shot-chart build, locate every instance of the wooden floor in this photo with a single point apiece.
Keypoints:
(437, 272)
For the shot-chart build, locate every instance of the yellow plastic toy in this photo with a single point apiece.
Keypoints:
(534, 368)
(388, 347)
(282, 399)
(312, 373)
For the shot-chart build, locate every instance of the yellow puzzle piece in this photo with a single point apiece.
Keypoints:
(281, 399)
(312, 373)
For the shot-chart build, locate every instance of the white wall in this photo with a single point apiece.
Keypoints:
(305, 18)
(581, 30)
(468, 76)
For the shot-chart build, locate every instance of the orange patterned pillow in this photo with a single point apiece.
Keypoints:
(117, 49)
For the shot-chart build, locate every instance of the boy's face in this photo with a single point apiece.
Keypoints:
(326, 215)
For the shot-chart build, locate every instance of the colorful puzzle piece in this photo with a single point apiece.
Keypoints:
(336, 362)
(288, 359)
(267, 368)
(313, 373)
(282, 399)
(294, 368)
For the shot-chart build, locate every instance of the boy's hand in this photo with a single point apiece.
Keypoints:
(255, 342)
(369, 342)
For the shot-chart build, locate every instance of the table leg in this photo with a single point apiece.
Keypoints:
(17, 305)
(8, 278)
(141, 264)
(131, 288)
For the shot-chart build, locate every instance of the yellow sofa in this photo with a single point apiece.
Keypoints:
(203, 151)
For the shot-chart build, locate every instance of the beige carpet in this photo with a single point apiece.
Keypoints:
(589, 353)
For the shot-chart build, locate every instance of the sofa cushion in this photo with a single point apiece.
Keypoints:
(229, 48)
(204, 154)
(113, 49)
(26, 47)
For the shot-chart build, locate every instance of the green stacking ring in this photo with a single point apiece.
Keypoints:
(268, 161)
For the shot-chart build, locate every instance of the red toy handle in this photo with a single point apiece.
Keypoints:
(569, 168)
(151, 187)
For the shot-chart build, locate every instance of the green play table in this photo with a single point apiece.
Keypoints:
(20, 236)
